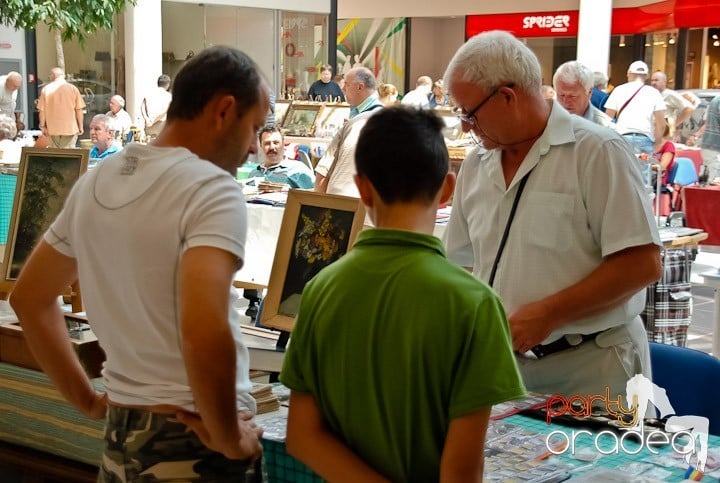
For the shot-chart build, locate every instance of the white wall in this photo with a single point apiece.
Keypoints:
(247, 29)
(433, 42)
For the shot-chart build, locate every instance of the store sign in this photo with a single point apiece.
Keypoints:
(5, 45)
(529, 24)
(556, 23)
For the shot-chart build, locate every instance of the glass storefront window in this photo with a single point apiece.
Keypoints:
(303, 50)
(96, 68)
(376, 43)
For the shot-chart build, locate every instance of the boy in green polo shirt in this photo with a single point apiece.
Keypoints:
(398, 354)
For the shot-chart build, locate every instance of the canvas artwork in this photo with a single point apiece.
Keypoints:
(317, 229)
(281, 109)
(45, 178)
(331, 119)
(300, 119)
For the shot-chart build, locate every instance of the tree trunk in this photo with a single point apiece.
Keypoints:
(59, 50)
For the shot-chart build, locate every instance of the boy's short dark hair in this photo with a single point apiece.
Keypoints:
(216, 70)
(402, 152)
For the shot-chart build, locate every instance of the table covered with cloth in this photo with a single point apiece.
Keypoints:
(702, 210)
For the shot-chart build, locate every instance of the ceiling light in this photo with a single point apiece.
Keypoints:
(671, 40)
(622, 41)
(715, 36)
(716, 43)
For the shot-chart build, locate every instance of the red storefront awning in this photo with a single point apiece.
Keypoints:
(665, 15)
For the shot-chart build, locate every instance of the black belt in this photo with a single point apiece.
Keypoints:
(562, 344)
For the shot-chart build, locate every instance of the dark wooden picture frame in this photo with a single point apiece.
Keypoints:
(317, 229)
(281, 108)
(45, 178)
(300, 119)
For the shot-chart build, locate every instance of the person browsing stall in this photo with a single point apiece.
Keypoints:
(582, 217)
(335, 170)
(276, 167)
(10, 84)
(102, 135)
(120, 116)
(573, 87)
(155, 235)
(386, 386)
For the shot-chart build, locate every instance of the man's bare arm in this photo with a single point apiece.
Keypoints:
(309, 440)
(608, 286)
(45, 276)
(209, 350)
(463, 454)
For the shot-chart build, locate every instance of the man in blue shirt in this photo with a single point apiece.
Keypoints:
(102, 135)
(277, 168)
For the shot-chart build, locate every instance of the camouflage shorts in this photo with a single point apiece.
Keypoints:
(145, 447)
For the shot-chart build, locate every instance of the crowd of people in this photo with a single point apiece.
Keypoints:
(530, 287)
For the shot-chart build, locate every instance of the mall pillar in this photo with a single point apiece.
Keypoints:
(593, 45)
(143, 52)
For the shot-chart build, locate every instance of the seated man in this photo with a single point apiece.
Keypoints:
(10, 151)
(277, 168)
(102, 134)
(118, 113)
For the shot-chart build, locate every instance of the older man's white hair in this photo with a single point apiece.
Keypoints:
(494, 58)
(572, 72)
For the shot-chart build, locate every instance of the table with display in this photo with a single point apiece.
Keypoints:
(41, 433)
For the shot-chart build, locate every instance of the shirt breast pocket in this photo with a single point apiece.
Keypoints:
(550, 219)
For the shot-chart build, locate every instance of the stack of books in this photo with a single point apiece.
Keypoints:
(264, 398)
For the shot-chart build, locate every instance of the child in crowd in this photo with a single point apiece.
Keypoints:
(398, 354)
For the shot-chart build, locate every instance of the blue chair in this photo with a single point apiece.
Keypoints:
(683, 173)
(690, 378)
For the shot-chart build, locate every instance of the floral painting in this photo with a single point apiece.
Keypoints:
(321, 237)
(317, 229)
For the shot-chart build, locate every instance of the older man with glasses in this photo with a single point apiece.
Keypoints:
(551, 212)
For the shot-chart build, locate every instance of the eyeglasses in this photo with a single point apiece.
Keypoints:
(469, 117)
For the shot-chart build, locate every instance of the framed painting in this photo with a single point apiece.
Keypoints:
(453, 127)
(281, 108)
(331, 119)
(45, 178)
(300, 119)
(317, 229)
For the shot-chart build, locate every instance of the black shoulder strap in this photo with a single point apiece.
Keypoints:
(503, 240)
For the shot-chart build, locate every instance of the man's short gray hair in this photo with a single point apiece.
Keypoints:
(494, 58)
(365, 75)
(572, 72)
(600, 80)
(8, 129)
(119, 99)
(107, 121)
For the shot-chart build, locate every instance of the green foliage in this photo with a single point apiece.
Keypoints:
(76, 19)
